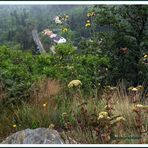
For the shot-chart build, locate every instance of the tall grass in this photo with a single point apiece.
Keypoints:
(49, 101)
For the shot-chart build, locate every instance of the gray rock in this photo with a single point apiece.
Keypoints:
(34, 136)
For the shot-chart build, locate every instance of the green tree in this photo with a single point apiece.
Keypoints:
(22, 28)
(129, 29)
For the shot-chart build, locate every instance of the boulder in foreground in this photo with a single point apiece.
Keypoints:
(34, 136)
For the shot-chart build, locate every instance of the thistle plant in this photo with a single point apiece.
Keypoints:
(75, 85)
(67, 124)
(139, 110)
(135, 93)
(100, 126)
(108, 96)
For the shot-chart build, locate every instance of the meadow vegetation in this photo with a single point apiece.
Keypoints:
(94, 89)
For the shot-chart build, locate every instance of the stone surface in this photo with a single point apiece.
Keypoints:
(34, 136)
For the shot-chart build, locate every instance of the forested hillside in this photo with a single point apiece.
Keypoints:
(18, 21)
(87, 86)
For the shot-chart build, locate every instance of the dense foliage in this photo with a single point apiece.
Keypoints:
(106, 47)
(19, 70)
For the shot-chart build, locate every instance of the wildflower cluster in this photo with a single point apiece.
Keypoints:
(74, 83)
(88, 21)
(106, 125)
(45, 104)
(90, 14)
(103, 115)
(100, 125)
(51, 126)
(60, 19)
(136, 89)
(67, 124)
(65, 17)
(135, 93)
(139, 109)
(14, 125)
(64, 29)
(108, 93)
(88, 24)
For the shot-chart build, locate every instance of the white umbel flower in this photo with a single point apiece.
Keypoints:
(74, 83)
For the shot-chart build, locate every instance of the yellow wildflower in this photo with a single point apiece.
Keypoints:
(87, 25)
(74, 83)
(119, 119)
(103, 115)
(64, 114)
(140, 87)
(14, 125)
(90, 14)
(139, 106)
(88, 21)
(51, 126)
(65, 30)
(113, 88)
(130, 88)
(134, 89)
(45, 104)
